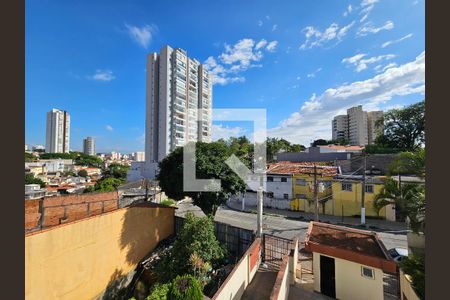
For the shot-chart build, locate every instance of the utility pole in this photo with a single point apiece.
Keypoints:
(316, 194)
(363, 195)
(146, 189)
(259, 198)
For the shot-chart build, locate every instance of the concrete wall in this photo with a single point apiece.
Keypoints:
(286, 275)
(279, 188)
(416, 242)
(250, 200)
(81, 260)
(406, 290)
(350, 284)
(302, 204)
(242, 274)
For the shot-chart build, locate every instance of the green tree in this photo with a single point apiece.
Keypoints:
(117, 171)
(196, 237)
(412, 163)
(30, 157)
(414, 266)
(105, 185)
(82, 173)
(159, 292)
(409, 198)
(404, 128)
(210, 164)
(30, 179)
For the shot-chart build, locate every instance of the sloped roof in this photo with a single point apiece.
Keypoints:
(287, 167)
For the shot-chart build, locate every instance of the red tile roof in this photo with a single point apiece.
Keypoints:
(339, 147)
(286, 167)
(360, 246)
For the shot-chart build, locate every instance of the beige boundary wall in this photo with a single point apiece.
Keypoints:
(286, 275)
(242, 274)
(406, 290)
(350, 284)
(79, 260)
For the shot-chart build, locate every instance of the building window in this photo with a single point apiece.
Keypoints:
(367, 272)
(300, 182)
(269, 194)
(286, 196)
(347, 186)
(300, 196)
(369, 188)
(283, 179)
(269, 179)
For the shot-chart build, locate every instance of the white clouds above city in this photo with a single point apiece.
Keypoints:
(388, 43)
(141, 35)
(316, 38)
(361, 63)
(369, 28)
(219, 131)
(238, 58)
(109, 128)
(102, 75)
(313, 118)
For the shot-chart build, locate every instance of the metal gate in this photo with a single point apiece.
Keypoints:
(275, 248)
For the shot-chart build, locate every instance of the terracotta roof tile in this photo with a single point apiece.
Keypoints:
(286, 167)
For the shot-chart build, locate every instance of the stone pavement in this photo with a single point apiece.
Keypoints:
(372, 224)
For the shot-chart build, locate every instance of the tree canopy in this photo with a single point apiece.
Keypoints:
(30, 157)
(79, 158)
(30, 179)
(210, 164)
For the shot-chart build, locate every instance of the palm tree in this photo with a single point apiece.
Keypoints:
(409, 198)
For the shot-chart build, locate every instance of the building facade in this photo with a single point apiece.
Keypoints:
(357, 126)
(58, 131)
(89, 146)
(176, 87)
(340, 127)
(374, 128)
(139, 156)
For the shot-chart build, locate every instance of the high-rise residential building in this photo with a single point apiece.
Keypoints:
(375, 129)
(176, 87)
(139, 156)
(340, 127)
(357, 126)
(58, 131)
(89, 146)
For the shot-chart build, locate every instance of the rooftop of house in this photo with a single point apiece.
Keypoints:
(360, 246)
(286, 167)
(339, 147)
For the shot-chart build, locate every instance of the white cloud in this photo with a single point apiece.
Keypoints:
(237, 58)
(313, 119)
(361, 63)
(396, 41)
(315, 38)
(272, 46)
(141, 35)
(369, 28)
(102, 75)
(366, 7)
(109, 128)
(274, 27)
(225, 132)
(348, 10)
(313, 74)
(260, 23)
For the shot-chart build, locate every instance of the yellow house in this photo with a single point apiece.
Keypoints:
(303, 188)
(347, 195)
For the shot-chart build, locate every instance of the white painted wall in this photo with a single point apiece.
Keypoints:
(350, 284)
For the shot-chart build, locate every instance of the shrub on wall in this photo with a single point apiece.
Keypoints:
(185, 287)
(159, 292)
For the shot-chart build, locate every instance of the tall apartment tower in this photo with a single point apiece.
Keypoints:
(374, 129)
(58, 131)
(339, 127)
(89, 146)
(176, 87)
(357, 126)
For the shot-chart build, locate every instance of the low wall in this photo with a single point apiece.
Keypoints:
(85, 259)
(406, 290)
(286, 275)
(52, 211)
(250, 200)
(242, 274)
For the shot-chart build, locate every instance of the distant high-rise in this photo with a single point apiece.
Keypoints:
(374, 128)
(89, 146)
(340, 127)
(175, 84)
(359, 127)
(58, 131)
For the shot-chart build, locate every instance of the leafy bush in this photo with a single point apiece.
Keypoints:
(30, 179)
(414, 266)
(159, 292)
(185, 287)
(168, 202)
(196, 236)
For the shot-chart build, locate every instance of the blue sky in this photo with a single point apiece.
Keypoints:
(304, 61)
